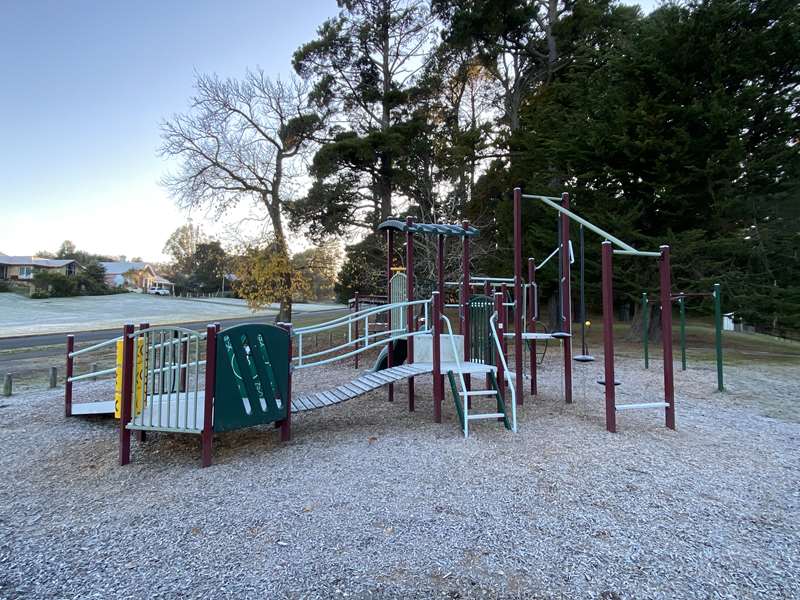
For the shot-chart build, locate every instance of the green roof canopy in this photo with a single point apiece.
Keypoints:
(429, 228)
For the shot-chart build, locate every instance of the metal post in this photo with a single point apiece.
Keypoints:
(286, 424)
(411, 325)
(141, 435)
(646, 329)
(68, 376)
(207, 436)
(666, 335)
(532, 323)
(127, 392)
(566, 301)
(53, 377)
(94, 368)
(7, 384)
(501, 330)
(608, 336)
(465, 294)
(438, 381)
(518, 304)
(355, 307)
(718, 337)
(584, 348)
(682, 311)
(389, 344)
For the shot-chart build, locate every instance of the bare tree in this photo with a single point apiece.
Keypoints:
(241, 141)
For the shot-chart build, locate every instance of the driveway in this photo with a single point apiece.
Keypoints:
(25, 316)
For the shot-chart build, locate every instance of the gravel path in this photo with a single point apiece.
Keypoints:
(370, 501)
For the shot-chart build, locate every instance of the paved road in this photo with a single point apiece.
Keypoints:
(49, 339)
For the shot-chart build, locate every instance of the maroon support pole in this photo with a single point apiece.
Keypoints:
(207, 436)
(487, 291)
(501, 330)
(410, 321)
(438, 381)
(503, 315)
(389, 345)
(518, 296)
(127, 392)
(532, 323)
(286, 424)
(355, 306)
(465, 294)
(666, 335)
(440, 248)
(566, 301)
(69, 370)
(608, 336)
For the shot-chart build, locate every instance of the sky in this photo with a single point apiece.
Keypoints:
(84, 86)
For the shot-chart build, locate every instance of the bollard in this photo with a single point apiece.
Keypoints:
(53, 377)
(94, 370)
(7, 385)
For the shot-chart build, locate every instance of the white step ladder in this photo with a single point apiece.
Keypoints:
(462, 395)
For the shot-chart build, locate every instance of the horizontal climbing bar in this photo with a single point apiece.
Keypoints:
(641, 405)
(637, 253)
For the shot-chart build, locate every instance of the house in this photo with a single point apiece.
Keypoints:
(22, 268)
(137, 276)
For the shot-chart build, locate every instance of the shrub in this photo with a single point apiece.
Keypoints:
(55, 285)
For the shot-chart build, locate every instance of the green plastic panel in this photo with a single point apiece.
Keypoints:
(252, 379)
(481, 342)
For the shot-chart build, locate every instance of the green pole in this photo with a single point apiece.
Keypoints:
(718, 324)
(682, 306)
(645, 327)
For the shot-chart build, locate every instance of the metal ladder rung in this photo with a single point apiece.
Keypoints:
(479, 393)
(641, 405)
(486, 416)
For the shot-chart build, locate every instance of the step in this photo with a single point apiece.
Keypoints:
(479, 393)
(641, 405)
(486, 416)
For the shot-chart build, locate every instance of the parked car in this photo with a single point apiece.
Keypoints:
(156, 291)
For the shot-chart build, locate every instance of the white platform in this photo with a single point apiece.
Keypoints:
(423, 348)
(105, 407)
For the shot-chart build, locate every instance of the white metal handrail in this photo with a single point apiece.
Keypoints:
(464, 401)
(356, 316)
(499, 346)
(369, 339)
(95, 347)
(360, 349)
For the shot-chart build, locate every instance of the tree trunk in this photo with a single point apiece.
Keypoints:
(653, 322)
(274, 209)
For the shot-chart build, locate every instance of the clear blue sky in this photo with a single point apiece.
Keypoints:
(84, 87)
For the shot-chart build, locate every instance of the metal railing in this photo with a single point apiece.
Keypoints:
(166, 368)
(355, 338)
(501, 354)
(464, 401)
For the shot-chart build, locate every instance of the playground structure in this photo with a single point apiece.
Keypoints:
(681, 298)
(176, 380)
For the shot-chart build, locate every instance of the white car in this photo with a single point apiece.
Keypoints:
(158, 291)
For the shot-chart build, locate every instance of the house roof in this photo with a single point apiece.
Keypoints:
(160, 279)
(121, 266)
(33, 261)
